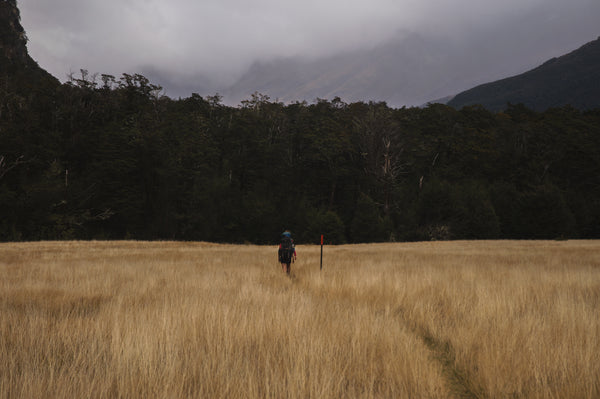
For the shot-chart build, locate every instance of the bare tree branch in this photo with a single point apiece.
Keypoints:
(5, 167)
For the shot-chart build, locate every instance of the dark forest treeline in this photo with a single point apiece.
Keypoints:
(107, 158)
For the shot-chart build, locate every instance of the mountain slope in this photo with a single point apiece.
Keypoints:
(573, 79)
(413, 69)
(406, 70)
(19, 73)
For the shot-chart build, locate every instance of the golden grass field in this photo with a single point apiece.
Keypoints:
(485, 319)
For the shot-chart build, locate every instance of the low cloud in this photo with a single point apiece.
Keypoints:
(218, 40)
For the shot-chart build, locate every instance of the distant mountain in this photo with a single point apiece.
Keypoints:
(573, 79)
(408, 70)
(398, 72)
(414, 69)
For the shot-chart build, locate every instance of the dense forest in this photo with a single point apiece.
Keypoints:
(101, 157)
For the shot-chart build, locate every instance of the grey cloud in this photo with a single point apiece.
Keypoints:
(211, 43)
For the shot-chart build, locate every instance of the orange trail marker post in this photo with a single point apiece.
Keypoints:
(321, 252)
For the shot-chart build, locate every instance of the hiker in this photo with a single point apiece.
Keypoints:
(287, 251)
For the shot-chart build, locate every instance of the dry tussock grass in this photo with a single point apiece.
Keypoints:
(423, 320)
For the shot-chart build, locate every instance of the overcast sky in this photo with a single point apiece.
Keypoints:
(217, 40)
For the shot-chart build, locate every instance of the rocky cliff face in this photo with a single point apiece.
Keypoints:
(13, 41)
(19, 73)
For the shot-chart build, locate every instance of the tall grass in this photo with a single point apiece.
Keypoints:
(424, 320)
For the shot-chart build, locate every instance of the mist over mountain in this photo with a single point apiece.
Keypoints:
(403, 52)
(415, 68)
(402, 71)
(572, 79)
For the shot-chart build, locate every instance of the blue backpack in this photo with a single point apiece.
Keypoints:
(286, 249)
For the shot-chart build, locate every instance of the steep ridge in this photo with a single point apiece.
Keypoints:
(573, 79)
(19, 73)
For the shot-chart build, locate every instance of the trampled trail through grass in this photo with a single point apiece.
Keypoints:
(485, 319)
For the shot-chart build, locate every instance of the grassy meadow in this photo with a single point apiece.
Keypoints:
(480, 319)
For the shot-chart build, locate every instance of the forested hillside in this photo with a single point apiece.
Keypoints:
(573, 79)
(104, 157)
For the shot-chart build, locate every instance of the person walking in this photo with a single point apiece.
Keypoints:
(287, 251)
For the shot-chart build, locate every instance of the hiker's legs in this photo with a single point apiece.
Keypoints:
(288, 268)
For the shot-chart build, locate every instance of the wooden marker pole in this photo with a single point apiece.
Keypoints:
(321, 252)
